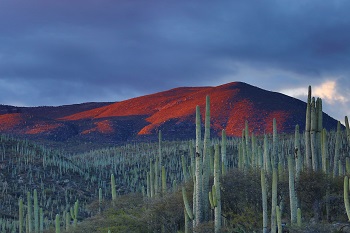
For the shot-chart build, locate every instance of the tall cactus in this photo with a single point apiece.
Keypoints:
(99, 200)
(184, 168)
(264, 199)
(223, 152)
(347, 128)
(247, 144)
(308, 156)
(275, 156)
(158, 166)
(324, 152)
(336, 152)
(68, 217)
(74, 213)
(279, 219)
(160, 148)
(255, 160)
(57, 223)
(274, 177)
(274, 200)
(151, 178)
(198, 174)
(41, 225)
(20, 213)
(156, 177)
(313, 135)
(114, 191)
(244, 151)
(267, 158)
(36, 212)
(29, 212)
(297, 153)
(206, 159)
(163, 181)
(319, 130)
(148, 185)
(299, 222)
(292, 193)
(187, 211)
(217, 185)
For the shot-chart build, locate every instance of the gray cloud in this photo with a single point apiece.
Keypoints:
(60, 52)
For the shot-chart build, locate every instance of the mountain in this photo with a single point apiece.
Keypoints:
(171, 111)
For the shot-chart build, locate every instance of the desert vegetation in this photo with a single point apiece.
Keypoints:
(255, 183)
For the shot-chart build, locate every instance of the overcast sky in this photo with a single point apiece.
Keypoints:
(63, 52)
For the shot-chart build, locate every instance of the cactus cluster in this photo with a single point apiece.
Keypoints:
(152, 168)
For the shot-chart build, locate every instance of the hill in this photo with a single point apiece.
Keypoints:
(171, 111)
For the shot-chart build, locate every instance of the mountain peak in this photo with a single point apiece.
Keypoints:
(172, 111)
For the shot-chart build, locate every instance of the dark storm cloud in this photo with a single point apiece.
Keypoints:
(59, 52)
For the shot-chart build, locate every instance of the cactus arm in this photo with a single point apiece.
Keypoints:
(187, 205)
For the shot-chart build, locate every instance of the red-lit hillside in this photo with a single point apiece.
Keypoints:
(171, 111)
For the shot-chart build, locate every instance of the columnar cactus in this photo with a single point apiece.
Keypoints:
(217, 185)
(347, 165)
(187, 211)
(57, 223)
(313, 135)
(274, 177)
(308, 156)
(41, 227)
(74, 213)
(324, 152)
(99, 200)
(29, 212)
(36, 212)
(336, 152)
(187, 222)
(247, 144)
(27, 223)
(151, 178)
(68, 217)
(206, 159)
(223, 152)
(114, 191)
(20, 213)
(254, 153)
(297, 153)
(279, 219)
(274, 200)
(275, 157)
(244, 151)
(319, 129)
(160, 148)
(347, 128)
(156, 177)
(148, 185)
(240, 156)
(184, 168)
(267, 159)
(264, 199)
(299, 222)
(163, 181)
(292, 193)
(198, 174)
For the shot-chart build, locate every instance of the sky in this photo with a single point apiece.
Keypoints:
(64, 52)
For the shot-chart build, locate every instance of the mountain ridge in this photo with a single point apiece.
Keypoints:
(172, 111)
